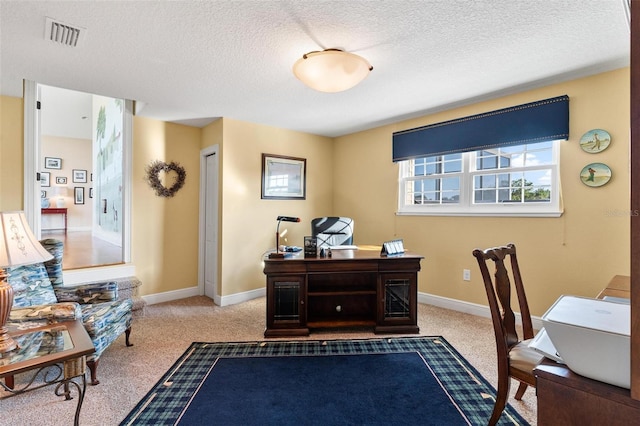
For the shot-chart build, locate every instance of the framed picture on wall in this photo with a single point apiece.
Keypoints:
(61, 180)
(52, 163)
(79, 176)
(45, 179)
(283, 177)
(78, 195)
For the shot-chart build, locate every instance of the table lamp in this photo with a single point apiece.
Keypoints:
(60, 192)
(18, 246)
(277, 254)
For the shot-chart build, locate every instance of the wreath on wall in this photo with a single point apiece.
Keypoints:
(153, 177)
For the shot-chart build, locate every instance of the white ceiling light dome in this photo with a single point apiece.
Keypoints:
(331, 70)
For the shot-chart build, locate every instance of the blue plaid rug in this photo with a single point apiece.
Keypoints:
(169, 400)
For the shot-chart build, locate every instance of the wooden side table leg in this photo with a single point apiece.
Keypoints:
(10, 382)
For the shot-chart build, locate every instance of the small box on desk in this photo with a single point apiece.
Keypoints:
(310, 247)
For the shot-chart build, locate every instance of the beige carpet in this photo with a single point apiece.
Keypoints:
(166, 330)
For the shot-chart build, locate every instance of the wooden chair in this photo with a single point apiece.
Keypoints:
(515, 358)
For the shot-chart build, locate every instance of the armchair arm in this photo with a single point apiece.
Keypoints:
(88, 293)
(65, 311)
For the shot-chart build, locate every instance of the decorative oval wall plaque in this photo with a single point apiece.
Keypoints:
(595, 174)
(153, 171)
(594, 141)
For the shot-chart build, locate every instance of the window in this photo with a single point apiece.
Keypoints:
(520, 180)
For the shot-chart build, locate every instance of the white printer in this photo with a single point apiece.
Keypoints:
(592, 336)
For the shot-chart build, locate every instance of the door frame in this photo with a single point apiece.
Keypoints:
(204, 191)
(31, 187)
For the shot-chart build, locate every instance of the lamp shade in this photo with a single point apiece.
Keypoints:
(331, 70)
(61, 192)
(18, 245)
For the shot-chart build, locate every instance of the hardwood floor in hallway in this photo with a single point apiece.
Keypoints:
(82, 250)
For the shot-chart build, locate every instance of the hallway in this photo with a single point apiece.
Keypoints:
(82, 250)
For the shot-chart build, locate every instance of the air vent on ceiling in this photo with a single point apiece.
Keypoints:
(65, 34)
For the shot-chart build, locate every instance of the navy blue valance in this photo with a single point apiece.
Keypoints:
(540, 121)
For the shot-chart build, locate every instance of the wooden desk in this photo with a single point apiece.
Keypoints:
(619, 286)
(352, 288)
(566, 398)
(60, 358)
(57, 210)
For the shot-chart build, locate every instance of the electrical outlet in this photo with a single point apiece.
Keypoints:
(466, 275)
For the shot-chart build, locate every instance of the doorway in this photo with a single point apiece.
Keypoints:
(77, 156)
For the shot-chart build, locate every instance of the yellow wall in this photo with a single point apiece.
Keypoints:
(574, 254)
(247, 222)
(353, 175)
(11, 153)
(165, 230)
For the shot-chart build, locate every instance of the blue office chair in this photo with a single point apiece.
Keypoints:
(332, 231)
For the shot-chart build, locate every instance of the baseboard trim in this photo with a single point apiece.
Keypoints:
(169, 296)
(231, 299)
(236, 298)
(424, 298)
(468, 307)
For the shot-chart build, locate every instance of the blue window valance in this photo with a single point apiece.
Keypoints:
(540, 121)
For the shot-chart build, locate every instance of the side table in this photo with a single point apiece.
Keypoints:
(57, 210)
(57, 352)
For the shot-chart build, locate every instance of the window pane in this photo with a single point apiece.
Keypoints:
(484, 163)
(452, 163)
(540, 188)
(485, 181)
(451, 157)
(451, 183)
(431, 197)
(430, 184)
(504, 180)
(484, 196)
(513, 149)
(539, 157)
(453, 166)
(510, 175)
(450, 197)
(432, 169)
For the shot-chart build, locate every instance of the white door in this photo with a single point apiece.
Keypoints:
(211, 227)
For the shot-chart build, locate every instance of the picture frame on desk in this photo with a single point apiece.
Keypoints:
(283, 177)
(392, 248)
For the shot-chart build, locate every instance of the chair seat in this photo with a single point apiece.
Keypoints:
(523, 358)
(98, 318)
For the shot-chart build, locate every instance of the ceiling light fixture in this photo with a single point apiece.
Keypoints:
(331, 70)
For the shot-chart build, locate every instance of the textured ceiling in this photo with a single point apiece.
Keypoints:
(193, 61)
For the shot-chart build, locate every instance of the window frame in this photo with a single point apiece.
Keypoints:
(466, 206)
